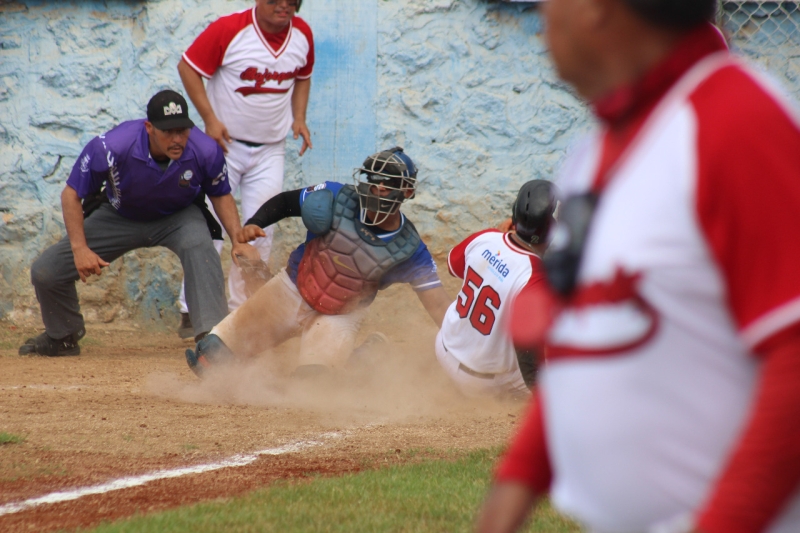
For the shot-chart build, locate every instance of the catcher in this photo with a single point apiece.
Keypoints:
(358, 243)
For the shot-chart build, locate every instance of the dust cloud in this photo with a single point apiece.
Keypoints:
(393, 382)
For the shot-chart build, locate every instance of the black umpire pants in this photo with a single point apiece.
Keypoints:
(111, 235)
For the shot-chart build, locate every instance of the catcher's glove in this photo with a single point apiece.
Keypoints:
(255, 273)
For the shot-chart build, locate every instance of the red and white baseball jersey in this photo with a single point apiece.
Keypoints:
(690, 266)
(475, 327)
(251, 74)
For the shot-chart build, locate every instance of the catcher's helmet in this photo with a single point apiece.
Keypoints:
(391, 170)
(533, 210)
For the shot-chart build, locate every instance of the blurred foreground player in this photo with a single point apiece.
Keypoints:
(671, 396)
(474, 346)
(358, 243)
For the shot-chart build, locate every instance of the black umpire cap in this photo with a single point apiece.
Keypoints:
(168, 110)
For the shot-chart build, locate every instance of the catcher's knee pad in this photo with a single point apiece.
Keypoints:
(210, 351)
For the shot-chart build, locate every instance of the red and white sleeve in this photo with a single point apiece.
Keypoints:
(305, 29)
(206, 53)
(748, 196)
(457, 260)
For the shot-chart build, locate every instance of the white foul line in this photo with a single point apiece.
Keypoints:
(136, 481)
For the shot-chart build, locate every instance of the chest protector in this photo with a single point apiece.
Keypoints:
(341, 269)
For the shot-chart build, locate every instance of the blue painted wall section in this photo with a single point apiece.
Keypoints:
(342, 107)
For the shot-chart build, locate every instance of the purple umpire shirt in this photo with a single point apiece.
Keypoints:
(137, 187)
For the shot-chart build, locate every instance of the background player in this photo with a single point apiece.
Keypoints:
(474, 346)
(670, 398)
(258, 64)
(357, 244)
(154, 172)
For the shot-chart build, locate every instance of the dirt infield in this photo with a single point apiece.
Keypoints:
(130, 406)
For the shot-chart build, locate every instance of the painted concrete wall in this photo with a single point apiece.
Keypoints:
(454, 82)
(464, 85)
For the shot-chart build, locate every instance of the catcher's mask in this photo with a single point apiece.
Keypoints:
(384, 182)
(534, 210)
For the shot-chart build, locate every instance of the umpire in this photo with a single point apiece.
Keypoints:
(156, 172)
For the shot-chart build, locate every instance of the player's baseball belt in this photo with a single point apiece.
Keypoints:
(249, 143)
(467, 370)
(474, 373)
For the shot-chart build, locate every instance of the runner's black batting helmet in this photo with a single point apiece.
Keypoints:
(533, 210)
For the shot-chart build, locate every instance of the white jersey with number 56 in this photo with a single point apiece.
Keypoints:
(475, 327)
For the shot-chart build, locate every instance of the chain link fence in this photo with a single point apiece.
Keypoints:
(768, 33)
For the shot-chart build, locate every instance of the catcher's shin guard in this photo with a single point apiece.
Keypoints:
(210, 351)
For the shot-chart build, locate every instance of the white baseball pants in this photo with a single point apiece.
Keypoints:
(276, 313)
(257, 173)
(473, 386)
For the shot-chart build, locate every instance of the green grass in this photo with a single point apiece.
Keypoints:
(8, 438)
(429, 496)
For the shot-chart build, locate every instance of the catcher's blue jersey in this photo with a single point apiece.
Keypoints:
(419, 271)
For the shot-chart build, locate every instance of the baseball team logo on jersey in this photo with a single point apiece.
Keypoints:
(604, 318)
(253, 74)
(499, 268)
(186, 179)
(85, 163)
(222, 176)
(113, 178)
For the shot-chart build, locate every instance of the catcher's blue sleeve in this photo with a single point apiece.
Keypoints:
(419, 271)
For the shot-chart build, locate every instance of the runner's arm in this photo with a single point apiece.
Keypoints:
(435, 301)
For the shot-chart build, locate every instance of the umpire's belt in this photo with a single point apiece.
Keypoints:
(249, 143)
(467, 370)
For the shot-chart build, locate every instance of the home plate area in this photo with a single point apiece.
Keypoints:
(126, 428)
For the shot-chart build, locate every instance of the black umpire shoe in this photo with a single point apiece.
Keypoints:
(185, 330)
(44, 344)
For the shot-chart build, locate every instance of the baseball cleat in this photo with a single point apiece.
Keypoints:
(185, 329)
(46, 345)
(210, 351)
(195, 363)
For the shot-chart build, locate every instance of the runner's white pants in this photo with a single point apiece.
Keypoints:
(258, 174)
(473, 386)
